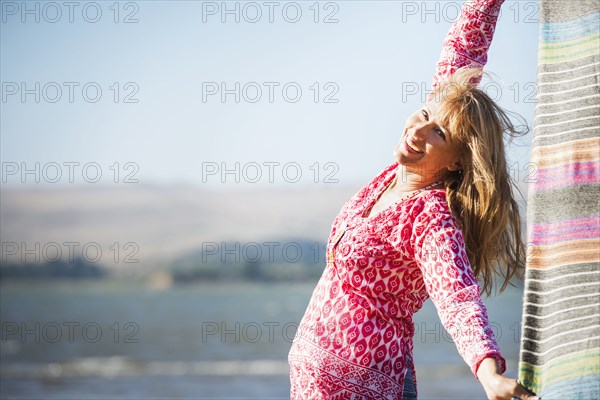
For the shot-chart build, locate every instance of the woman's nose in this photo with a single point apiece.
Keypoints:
(420, 130)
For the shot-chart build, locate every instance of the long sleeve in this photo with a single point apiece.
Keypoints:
(440, 253)
(469, 38)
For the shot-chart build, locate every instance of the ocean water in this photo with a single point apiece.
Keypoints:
(111, 340)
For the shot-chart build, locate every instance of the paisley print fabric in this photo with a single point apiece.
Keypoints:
(357, 330)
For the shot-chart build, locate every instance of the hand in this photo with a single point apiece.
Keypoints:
(498, 387)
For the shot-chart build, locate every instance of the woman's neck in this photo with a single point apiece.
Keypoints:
(406, 181)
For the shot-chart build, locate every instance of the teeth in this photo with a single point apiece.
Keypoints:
(409, 145)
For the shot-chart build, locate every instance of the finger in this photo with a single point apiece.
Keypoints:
(523, 393)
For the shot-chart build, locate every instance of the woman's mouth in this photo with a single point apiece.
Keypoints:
(411, 148)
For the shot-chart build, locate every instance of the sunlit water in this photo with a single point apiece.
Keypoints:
(109, 340)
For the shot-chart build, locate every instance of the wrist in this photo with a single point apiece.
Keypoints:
(488, 368)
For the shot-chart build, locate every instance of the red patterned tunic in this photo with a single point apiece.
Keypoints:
(355, 340)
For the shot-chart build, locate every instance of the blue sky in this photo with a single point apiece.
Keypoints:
(370, 61)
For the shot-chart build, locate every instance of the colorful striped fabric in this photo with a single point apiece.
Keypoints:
(560, 348)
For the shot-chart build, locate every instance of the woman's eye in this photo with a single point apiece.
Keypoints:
(425, 114)
(440, 133)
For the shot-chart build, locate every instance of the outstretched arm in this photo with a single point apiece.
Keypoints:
(440, 253)
(469, 38)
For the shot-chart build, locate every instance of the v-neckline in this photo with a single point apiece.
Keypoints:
(374, 198)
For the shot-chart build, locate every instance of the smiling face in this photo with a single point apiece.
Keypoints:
(426, 148)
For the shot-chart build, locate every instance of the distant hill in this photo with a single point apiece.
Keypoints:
(162, 225)
(156, 225)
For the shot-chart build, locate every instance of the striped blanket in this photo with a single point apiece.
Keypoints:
(560, 349)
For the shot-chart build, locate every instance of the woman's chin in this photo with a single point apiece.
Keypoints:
(397, 154)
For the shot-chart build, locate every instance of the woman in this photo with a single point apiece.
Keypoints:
(414, 232)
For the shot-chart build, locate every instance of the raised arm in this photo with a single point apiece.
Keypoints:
(469, 38)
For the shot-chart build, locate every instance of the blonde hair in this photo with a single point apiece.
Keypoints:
(480, 196)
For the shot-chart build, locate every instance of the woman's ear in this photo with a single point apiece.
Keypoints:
(455, 166)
